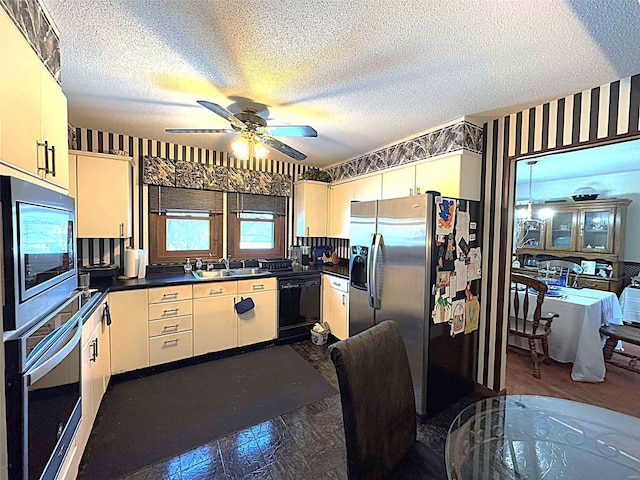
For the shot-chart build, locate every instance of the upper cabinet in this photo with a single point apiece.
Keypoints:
(456, 175)
(103, 192)
(399, 182)
(340, 197)
(310, 208)
(367, 188)
(33, 111)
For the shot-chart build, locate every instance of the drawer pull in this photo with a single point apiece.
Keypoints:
(336, 284)
(590, 284)
(259, 286)
(168, 295)
(213, 292)
(171, 311)
(174, 327)
(344, 300)
(171, 342)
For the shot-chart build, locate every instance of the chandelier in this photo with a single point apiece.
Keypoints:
(247, 147)
(525, 223)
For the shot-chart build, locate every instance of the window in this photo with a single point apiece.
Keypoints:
(256, 226)
(184, 223)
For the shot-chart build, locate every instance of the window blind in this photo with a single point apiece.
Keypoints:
(250, 203)
(162, 199)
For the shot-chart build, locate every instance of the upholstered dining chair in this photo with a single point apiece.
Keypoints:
(536, 328)
(378, 408)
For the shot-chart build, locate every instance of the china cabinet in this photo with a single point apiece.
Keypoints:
(579, 231)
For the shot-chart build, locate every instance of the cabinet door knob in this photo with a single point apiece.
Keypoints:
(417, 190)
(410, 191)
(307, 231)
(122, 229)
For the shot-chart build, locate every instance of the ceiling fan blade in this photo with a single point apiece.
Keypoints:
(224, 113)
(269, 141)
(199, 130)
(291, 131)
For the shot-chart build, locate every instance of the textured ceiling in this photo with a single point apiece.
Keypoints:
(364, 74)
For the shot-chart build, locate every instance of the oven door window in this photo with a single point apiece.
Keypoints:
(52, 400)
(46, 247)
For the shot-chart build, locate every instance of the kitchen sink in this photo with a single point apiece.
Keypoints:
(233, 272)
(248, 272)
(211, 274)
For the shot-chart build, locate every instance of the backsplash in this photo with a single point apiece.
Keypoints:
(338, 245)
(31, 20)
(463, 135)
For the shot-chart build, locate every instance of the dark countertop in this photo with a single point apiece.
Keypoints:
(168, 279)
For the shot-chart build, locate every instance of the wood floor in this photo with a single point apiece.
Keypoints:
(620, 390)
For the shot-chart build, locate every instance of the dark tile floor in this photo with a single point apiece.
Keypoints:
(307, 443)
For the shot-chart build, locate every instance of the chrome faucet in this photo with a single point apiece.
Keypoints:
(225, 260)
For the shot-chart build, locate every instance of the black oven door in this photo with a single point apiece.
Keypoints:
(52, 407)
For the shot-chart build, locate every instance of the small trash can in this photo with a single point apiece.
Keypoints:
(319, 338)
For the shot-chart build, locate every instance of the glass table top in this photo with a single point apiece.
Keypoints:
(532, 437)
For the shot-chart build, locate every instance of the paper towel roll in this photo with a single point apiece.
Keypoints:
(131, 262)
(142, 263)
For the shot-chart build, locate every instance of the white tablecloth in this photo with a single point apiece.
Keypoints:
(575, 335)
(630, 304)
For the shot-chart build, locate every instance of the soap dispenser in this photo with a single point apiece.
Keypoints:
(187, 266)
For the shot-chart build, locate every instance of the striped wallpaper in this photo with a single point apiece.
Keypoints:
(601, 114)
(109, 250)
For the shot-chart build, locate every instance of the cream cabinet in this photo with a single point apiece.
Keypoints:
(335, 304)
(310, 208)
(96, 371)
(367, 188)
(103, 192)
(260, 323)
(340, 197)
(457, 175)
(33, 111)
(129, 331)
(399, 182)
(215, 327)
(170, 324)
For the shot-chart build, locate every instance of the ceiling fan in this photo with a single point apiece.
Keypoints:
(255, 132)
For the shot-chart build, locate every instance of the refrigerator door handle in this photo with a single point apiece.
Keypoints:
(370, 271)
(377, 238)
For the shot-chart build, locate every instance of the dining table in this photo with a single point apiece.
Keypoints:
(630, 304)
(575, 335)
(536, 437)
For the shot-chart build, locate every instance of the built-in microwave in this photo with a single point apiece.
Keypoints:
(38, 251)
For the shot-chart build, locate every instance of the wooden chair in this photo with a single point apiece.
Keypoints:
(536, 328)
(379, 410)
(558, 269)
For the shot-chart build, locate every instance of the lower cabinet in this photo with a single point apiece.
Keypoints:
(129, 330)
(260, 323)
(96, 372)
(215, 326)
(170, 324)
(335, 305)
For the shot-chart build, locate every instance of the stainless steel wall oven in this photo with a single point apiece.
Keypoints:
(43, 381)
(38, 250)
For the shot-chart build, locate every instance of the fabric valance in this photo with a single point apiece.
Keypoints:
(178, 173)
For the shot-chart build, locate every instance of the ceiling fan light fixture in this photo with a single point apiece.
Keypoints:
(240, 148)
(259, 150)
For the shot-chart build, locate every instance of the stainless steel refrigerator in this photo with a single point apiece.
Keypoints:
(399, 257)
